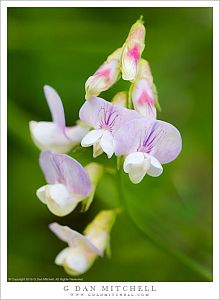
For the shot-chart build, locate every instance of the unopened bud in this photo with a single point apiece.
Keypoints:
(107, 75)
(142, 91)
(132, 51)
(98, 231)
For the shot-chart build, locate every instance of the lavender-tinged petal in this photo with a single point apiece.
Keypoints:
(72, 237)
(99, 113)
(92, 111)
(56, 106)
(49, 167)
(157, 138)
(74, 176)
(61, 168)
(128, 137)
(168, 145)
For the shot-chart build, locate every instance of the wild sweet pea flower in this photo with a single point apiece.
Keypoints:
(106, 118)
(132, 50)
(106, 75)
(143, 93)
(82, 250)
(55, 136)
(68, 183)
(147, 143)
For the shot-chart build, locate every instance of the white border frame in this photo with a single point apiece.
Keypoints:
(55, 290)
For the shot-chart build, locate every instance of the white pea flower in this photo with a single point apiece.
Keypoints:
(146, 145)
(106, 118)
(68, 183)
(83, 249)
(55, 136)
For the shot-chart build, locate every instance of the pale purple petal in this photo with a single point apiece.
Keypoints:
(72, 237)
(49, 167)
(157, 138)
(61, 168)
(101, 114)
(56, 106)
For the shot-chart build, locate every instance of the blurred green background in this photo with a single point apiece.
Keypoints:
(165, 230)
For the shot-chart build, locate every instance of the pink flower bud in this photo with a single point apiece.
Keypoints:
(143, 91)
(106, 75)
(132, 50)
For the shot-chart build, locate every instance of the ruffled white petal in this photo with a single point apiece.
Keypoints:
(41, 194)
(74, 260)
(57, 198)
(107, 143)
(133, 158)
(136, 173)
(155, 168)
(138, 164)
(91, 138)
(60, 259)
(77, 262)
(48, 136)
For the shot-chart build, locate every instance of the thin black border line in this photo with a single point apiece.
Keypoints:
(5, 1)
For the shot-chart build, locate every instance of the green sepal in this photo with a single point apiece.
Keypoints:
(157, 104)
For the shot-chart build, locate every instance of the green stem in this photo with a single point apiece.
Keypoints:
(185, 260)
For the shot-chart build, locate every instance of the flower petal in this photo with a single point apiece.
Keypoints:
(41, 194)
(56, 106)
(129, 65)
(133, 158)
(155, 168)
(92, 110)
(49, 167)
(127, 137)
(91, 137)
(157, 138)
(72, 237)
(59, 201)
(60, 259)
(77, 261)
(136, 173)
(167, 143)
(99, 113)
(76, 133)
(61, 168)
(48, 136)
(107, 143)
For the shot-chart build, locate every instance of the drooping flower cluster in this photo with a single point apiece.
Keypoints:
(126, 127)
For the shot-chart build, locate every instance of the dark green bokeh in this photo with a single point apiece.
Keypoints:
(165, 230)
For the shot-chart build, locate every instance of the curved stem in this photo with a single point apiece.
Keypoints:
(185, 260)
